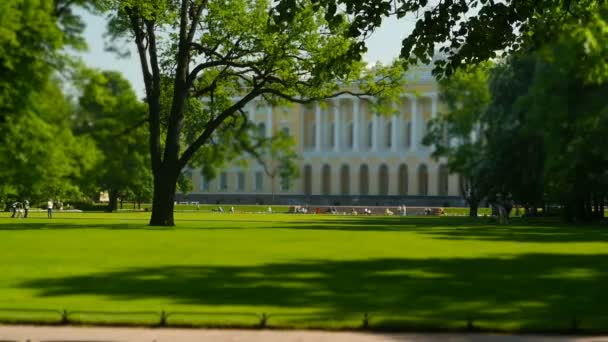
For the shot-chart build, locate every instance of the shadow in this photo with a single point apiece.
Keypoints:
(537, 292)
(446, 228)
(37, 225)
(464, 228)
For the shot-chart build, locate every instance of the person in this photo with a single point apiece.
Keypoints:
(232, 210)
(220, 209)
(26, 208)
(49, 208)
(269, 210)
(403, 210)
(14, 209)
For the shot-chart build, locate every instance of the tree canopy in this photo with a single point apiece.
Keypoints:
(541, 130)
(204, 61)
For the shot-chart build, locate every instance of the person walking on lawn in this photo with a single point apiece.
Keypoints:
(49, 208)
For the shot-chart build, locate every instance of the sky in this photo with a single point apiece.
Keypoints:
(384, 46)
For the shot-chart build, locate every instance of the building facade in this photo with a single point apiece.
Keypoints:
(348, 155)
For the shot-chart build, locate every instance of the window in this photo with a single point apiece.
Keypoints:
(285, 131)
(307, 180)
(443, 180)
(408, 134)
(332, 134)
(240, 181)
(284, 183)
(402, 181)
(345, 180)
(389, 135)
(383, 180)
(364, 180)
(351, 135)
(204, 184)
(259, 181)
(370, 135)
(326, 180)
(423, 180)
(223, 181)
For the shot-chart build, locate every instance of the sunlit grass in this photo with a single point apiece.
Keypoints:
(305, 271)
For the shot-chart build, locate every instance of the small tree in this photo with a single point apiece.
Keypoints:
(111, 114)
(456, 133)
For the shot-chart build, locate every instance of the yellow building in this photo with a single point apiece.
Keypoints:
(347, 155)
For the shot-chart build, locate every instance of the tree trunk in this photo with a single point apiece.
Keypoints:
(121, 202)
(163, 201)
(473, 208)
(113, 196)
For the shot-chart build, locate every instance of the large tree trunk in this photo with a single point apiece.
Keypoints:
(163, 201)
(473, 206)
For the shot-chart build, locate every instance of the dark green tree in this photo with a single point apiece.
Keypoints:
(110, 113)
(456, 133)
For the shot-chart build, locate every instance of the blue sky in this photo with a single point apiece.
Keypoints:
(384, 46)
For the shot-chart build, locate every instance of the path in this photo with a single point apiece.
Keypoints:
(99, 334)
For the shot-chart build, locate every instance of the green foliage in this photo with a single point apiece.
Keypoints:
(110, 113)
(205, 62)
(41, 157)
(456, 133)
(464, 31)
(541, 129)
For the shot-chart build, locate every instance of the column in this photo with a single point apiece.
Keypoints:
(317, 127)
(414, 132)
(375, 131)
(433, 112)
(356, 106)
(394, 123)
(269, 121)
(337, 118)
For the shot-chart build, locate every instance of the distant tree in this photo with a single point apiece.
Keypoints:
(456, 133)
(229, 53)
(110, 113)
(38, 154)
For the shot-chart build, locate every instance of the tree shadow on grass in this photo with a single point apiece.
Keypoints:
(74, 224)
(450, 228)
(537, 292)
(459, 228)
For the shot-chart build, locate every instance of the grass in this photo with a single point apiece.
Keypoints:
(305, 271)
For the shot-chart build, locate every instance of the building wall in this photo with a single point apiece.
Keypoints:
(345, 131)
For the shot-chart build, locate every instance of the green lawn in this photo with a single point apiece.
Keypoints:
(305, 271)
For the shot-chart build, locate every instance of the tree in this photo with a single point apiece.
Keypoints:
(228, 53)
(110, 113)
(465, 31)
(456, 133)
(42, 158)
(38, 154)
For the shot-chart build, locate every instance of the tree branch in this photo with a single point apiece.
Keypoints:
(213, 125)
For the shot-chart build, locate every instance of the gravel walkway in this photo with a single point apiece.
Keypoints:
(98, 334)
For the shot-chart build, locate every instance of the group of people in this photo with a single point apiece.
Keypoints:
(22, 209)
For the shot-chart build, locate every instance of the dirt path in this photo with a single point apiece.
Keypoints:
(95, 334)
